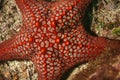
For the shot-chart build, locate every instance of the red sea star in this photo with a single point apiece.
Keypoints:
(53, 37)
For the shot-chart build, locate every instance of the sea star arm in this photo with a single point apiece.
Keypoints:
(18, 47)
(48, 65)
(33, 13)
(78, 46)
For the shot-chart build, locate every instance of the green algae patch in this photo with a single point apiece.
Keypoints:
(116, 31)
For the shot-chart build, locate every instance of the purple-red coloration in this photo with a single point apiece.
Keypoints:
(53, 37)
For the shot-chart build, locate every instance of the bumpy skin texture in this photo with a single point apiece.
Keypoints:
(53, 37)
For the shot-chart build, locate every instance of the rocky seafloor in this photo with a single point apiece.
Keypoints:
(105, 22)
